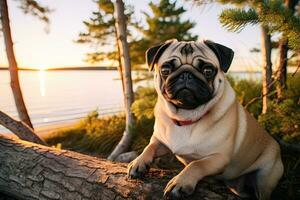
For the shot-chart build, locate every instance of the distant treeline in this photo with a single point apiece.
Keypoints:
(66, 68)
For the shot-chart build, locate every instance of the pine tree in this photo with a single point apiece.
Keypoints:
(166, 23)
(276, 16)
(101, 32)
(283, 49)
(279, 17)
(163, 23)
(235, 19)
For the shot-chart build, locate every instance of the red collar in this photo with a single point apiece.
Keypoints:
(187, 122)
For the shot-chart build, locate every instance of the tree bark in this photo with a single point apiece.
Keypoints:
(120, 67)
(13, 66)
(31, 171)
(283, 53)
(125, 60)
(266, 50)
(282, 68)
(20, 129)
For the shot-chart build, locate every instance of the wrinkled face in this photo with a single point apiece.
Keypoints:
(187, 73)
(187, 78)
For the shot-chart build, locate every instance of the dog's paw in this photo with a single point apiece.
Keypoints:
(180, 186)
(137, 168)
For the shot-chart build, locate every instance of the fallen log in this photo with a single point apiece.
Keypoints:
(20, 129)
(33, 171)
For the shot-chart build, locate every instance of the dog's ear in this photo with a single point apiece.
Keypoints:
(154, 53)
(224, 54)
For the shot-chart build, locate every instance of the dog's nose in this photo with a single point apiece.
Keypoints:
(185, 76)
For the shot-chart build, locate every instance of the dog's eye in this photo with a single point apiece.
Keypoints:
(166, 69)
(208, 71)
(200, 64)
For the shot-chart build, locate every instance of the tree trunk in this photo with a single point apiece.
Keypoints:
(13, 67)
(282, 67)
(120, 68)
(31, 171)
(283, 52)
(20, 129)
(266, 50)
(125, 60)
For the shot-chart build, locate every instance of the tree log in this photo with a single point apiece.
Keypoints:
(20, 129)
(32, 171)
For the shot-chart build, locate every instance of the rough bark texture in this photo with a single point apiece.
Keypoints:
(283, 53)
(282, 67)
(20, 129)
(32, 171)
(120, 68)
(125, 60)
(13, 66)
(266, 66)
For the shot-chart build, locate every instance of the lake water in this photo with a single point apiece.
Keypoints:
(54, 97)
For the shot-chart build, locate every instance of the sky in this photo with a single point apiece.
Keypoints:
(35, 48)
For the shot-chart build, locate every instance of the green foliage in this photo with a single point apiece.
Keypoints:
(142, 132)
(91, 135)
(272, 14)
(143, 106)
(163, 23)
(166, 23)
(99, 136)
(101, 33)
(246, 91)
(235, 19)
(278, 18)
(293, 88)
(143, 110)
(283, 120)
(36, 9)
(283, 117)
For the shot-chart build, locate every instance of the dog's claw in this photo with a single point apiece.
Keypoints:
(137, 169)
(171, 193)
(178, 189)
(133, 174)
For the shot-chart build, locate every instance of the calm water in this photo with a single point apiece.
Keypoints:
(57, 96)
(54, 97)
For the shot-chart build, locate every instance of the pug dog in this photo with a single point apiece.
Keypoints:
(198, 118)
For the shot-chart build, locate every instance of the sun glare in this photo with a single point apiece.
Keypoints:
(42, 68)
(42, 77)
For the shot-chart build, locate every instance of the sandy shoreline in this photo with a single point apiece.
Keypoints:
(45, 131)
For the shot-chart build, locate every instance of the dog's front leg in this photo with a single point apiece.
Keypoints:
(185, 182)
(141, 164)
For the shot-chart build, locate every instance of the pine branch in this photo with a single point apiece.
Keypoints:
(34, 8)
(280, 19)
(235, 19)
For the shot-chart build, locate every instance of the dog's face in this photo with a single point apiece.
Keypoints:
(188, 74)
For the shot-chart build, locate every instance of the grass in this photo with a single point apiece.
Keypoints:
(91, 135)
